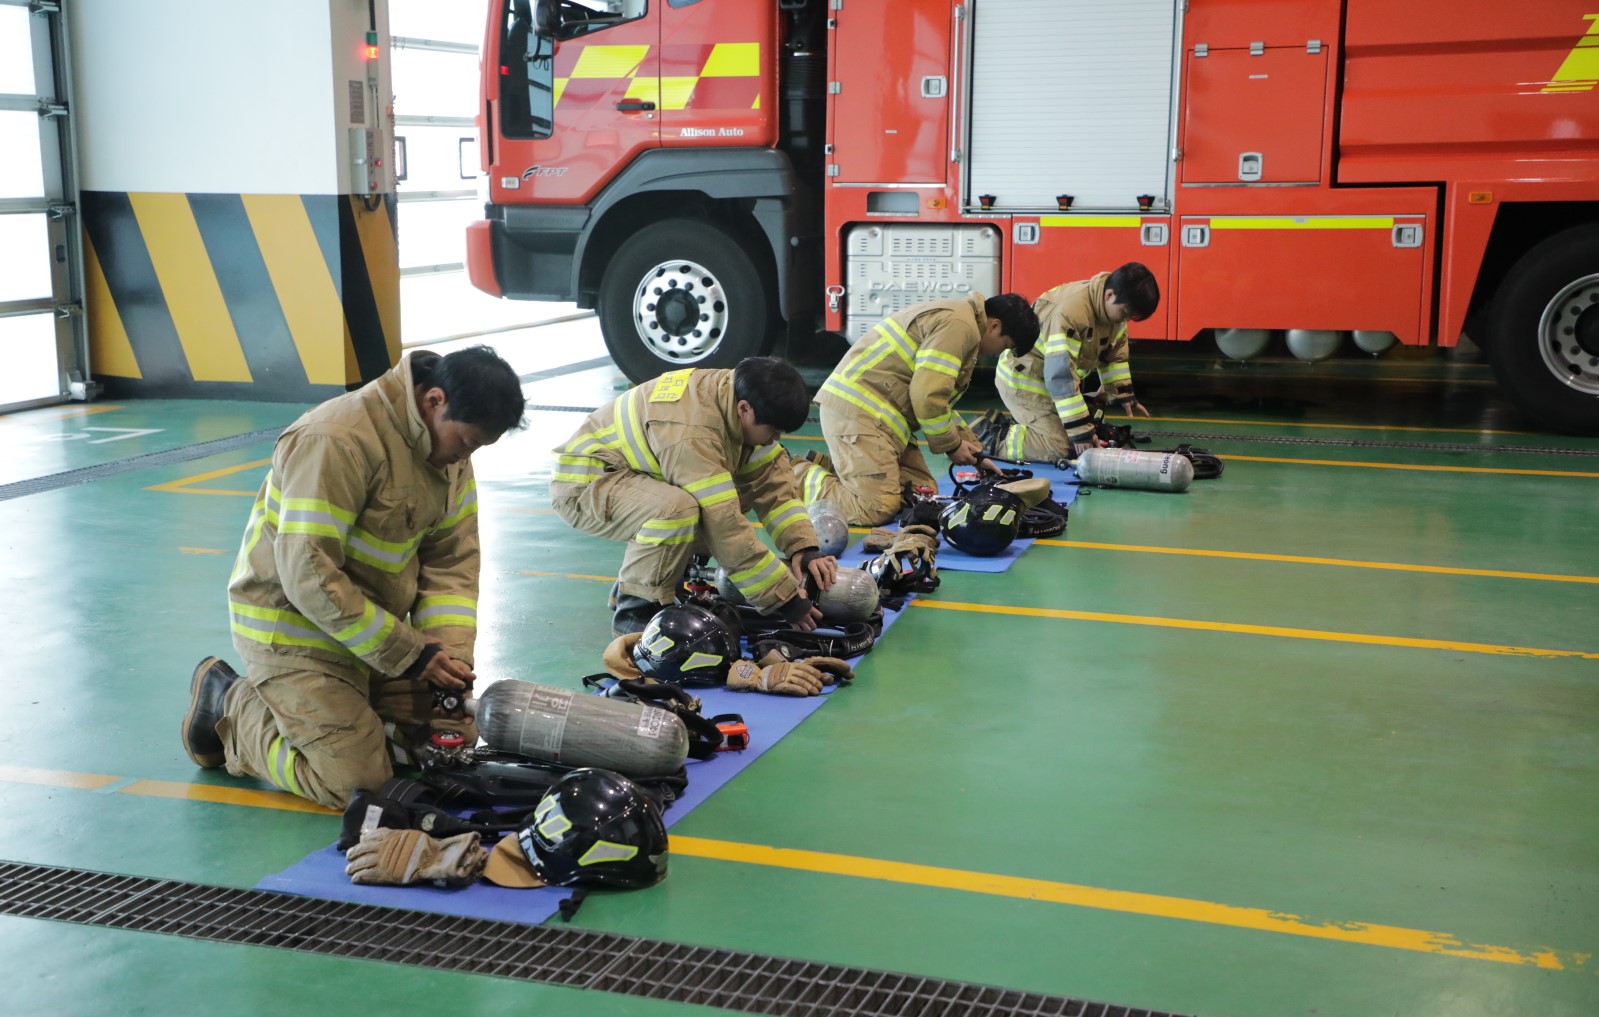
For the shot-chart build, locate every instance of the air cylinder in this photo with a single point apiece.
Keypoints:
(852, 597)
(1141, 471)
(832, 531)
(562, 726)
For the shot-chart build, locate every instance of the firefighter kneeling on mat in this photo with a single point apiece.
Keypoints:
(671, 467)
(902, 376)
(355, 590)
(1084, 329)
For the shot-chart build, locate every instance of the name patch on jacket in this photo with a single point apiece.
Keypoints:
(669, 387)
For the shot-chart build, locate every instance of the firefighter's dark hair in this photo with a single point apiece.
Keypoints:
(774, 390)
(1136, 289)
(1017, 320)
(480, 388)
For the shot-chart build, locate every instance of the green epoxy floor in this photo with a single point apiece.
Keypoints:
(1449, 788)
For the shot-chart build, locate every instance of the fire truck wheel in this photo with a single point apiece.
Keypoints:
(682, 293)
(1544, 332)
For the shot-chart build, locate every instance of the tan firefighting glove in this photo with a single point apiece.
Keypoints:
(402, 857)
(780, 679)
(619, 656)
(879, 540)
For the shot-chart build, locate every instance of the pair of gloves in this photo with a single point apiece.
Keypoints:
(917, 539)
(401, 857)
(774, 674)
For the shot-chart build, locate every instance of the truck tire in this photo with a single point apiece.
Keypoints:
(682, 293)
(1543, 338)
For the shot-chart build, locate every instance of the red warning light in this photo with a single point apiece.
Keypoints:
(371, 52)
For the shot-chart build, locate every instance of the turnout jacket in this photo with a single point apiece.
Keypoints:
(358, 552)
(1076, 340)
(907, 373)
(683, 429)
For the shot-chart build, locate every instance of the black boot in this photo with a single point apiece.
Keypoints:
(207, 691)
(991, 429)
(632, 614)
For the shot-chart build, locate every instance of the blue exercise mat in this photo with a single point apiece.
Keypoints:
(1063, 488)
(321, 874)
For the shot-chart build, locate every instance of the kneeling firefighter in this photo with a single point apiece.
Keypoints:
(671, 467)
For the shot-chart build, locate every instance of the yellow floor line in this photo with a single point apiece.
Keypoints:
(1333, 427)
(55, 778)
(224, 796)
(1098, 898)
(1306, 560)
(1281, 632)
(36, 416)
(1072, 894)
(1254, 630)
(181, 485)
(1408, 466)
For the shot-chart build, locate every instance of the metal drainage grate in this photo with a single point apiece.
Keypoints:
(746, 982)
(117, 467)
(1356, 443)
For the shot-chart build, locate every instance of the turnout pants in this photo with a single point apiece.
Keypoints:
(658, 521)
(1038, 435)
(871, 468)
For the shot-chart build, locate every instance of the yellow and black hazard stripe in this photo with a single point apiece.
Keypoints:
(261, 296)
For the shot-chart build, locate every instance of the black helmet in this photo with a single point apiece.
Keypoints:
(900, 572)
(596, 827)
(982, 520)
(686, 644)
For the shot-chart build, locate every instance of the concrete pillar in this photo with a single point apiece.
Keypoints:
(229, 252)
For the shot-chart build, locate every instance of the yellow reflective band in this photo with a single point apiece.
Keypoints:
(871, 402)
(713, 490)
(667, 531)
(280, 765)
(760, 457)
(577, 469)
(753, 580)
(631, 433)
(698, 659)
(901, 340)
(1015, 440)
(465, 506)
(939, 424)
(784, 516)
(1091, 220)
(733, 60)
(870, 357)
(1071, 408)
(608, 61)
(937, 360)
(368, 634)
(1055, 344)
(605, 851)
(1115, 373)
(277, 627)
(444, 610)
(815, 476)
(1017, 379)
(1302, 222)
(1579, 72)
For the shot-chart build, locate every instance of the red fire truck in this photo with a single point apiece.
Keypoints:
(720, 178)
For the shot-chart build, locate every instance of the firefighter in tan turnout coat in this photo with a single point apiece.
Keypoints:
(672, 465)
(901, 377)
(355, 589)
(1084, 329)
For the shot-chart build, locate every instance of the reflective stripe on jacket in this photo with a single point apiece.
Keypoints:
(1075, 339)
(906, 374)
(683, 429)
(357, 551)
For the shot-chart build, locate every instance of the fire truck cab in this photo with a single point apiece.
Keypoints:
(719, 178)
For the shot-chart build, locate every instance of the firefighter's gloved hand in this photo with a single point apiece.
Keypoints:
(781, 679)
(402, 857)
(619, 656)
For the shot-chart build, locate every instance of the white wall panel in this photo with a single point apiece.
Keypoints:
(211, 97)
(1071, 97)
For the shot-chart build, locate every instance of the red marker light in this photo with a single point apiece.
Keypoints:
(371, 52)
